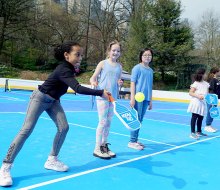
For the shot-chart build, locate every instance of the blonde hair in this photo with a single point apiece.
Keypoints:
(110, 46)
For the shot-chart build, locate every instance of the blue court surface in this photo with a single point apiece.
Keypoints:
(171, 160)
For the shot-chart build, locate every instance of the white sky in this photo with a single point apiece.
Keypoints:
(194, 9)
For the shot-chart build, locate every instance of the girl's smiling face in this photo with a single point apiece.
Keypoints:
(75, 56)
(115, 52)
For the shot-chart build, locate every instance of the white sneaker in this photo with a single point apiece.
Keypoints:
(5, 176)
(210, 129)
(101, 152)
(135, 145)
(53, 163)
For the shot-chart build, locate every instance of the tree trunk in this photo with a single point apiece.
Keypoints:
(162, 74)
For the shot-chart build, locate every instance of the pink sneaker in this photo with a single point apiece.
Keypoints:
(135, 145)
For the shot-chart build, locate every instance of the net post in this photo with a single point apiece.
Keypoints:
(6, 85)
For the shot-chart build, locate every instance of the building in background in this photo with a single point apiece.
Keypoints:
(75, 5)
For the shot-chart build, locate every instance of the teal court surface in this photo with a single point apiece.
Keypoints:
(171, 160)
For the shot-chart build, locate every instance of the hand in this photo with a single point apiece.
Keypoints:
(106, 94)
(120, 82)
(95, 83)
(132, 102)
(200, 96)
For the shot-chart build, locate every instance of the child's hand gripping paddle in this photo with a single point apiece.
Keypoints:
(212, 99)
(129, 117)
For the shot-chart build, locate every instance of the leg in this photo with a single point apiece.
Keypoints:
(193, 122)
(57, 114)
(34, 110)
(141, 108)
(199, 126)
(103, 110)
(108, 124)
(209, 120)
(106, 132)
(199, 123)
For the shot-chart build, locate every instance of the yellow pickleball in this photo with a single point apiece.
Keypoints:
(139, 97)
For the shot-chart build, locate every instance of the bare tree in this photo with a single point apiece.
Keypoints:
(207, 37)
(103, 22)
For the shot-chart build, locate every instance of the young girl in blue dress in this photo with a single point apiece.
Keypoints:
(106, 76)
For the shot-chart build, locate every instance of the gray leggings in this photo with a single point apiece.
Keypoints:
(40, 102)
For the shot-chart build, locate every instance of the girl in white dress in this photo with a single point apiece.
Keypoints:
(197, 105)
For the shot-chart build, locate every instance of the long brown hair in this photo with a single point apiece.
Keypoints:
(199, 74)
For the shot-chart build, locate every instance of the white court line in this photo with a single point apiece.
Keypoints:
(157, 142)
(112, 165)
(146, 118)
(11, 98)
(24, 94)
(162, 121)
(83, 126)
(12, 112)
(159, 111)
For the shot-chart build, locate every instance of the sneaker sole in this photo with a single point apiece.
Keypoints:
(113, 156)
(194, 138)
(210, 131)
(142, 148)
(6, 184)
(48, 168)
(105, 158)
(202, 135)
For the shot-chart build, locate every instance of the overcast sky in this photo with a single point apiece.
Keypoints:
(194, 9)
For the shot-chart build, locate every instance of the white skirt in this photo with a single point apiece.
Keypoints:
(197, 106)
